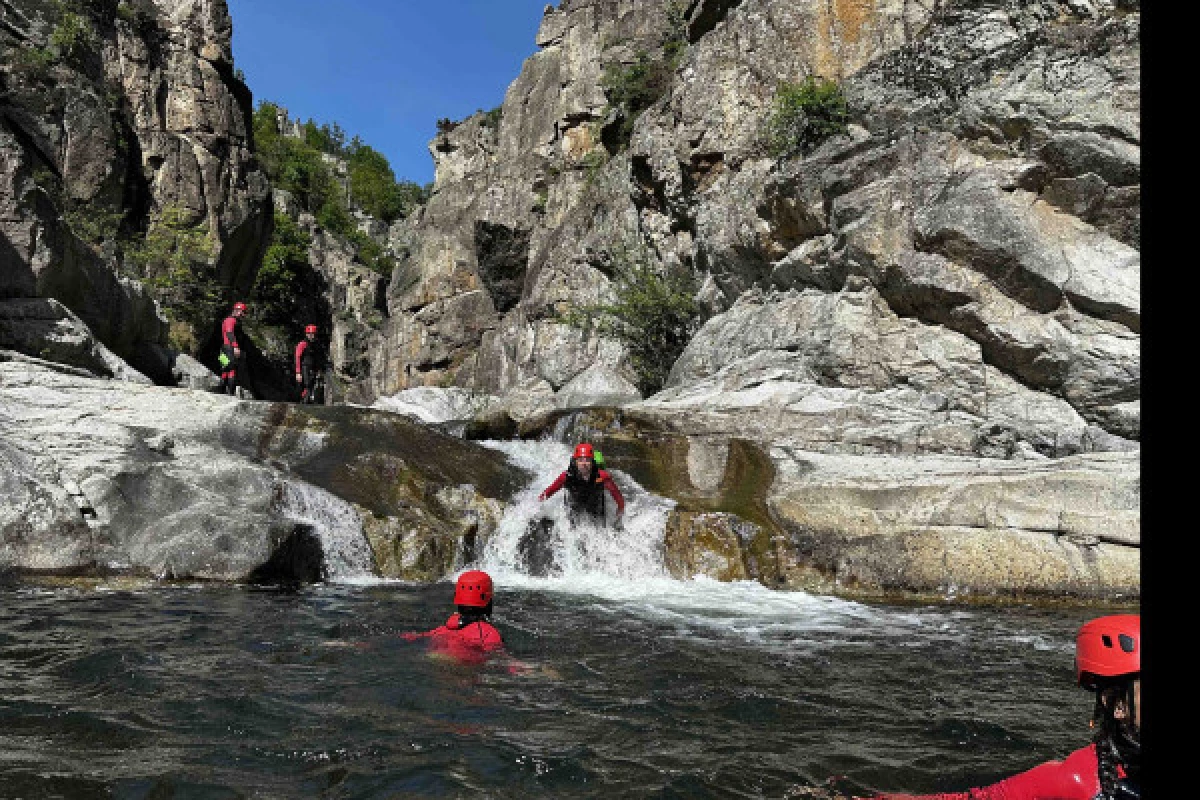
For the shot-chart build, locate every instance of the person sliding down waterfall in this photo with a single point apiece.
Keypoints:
(308, 364)
(469, 634)
(231, 351)
(585, 484)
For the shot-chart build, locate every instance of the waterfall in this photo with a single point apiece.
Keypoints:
(585, 551)
(347, 554)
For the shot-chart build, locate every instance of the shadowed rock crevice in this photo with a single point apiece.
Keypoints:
(502, 253)
(705, 15)
(297, 558)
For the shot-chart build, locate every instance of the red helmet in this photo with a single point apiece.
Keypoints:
(1108, 647)
(585, 450)
(310, 328)
(239, 306)
(474, 589)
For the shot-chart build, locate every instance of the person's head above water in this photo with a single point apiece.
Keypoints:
(239, 309)
(473, 594)
(1108, 661)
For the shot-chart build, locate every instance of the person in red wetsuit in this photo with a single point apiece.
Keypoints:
(231, 351)
(585, 484)
(468, 636)
(1108, 654)
(307, 362)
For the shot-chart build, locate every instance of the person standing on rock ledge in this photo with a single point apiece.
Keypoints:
(586, 483)
(1108, 658)
(231, 351)
(308, 364)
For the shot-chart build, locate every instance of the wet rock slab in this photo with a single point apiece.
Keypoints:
(173, 483)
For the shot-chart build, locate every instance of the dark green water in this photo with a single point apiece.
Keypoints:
(698, 691)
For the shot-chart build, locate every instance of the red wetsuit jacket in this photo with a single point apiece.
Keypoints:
(602, 478)
(467, 644)
(229, 331)
(1076, 777)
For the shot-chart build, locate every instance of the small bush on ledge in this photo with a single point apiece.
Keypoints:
(805, 114)
(654, 316)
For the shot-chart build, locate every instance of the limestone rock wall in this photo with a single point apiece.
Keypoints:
(950, 288)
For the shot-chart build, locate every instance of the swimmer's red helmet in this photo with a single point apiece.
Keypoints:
(1108, 647)
(474, 589)
(585, 450)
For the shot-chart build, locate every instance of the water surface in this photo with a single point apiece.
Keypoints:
(656, 688)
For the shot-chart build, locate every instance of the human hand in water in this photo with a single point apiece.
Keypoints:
(541, 497)
(619, 524)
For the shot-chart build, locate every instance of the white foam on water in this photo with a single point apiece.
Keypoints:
(624, 572)
(348, 556)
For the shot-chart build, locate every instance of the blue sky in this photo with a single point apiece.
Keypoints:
(385, 70)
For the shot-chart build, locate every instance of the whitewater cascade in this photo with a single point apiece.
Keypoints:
(623, 573)
(583, 550)
(347, 554)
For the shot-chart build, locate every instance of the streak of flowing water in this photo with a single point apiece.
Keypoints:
(347, 554)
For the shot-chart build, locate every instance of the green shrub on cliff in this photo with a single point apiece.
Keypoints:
(72, 35)
(33, 63)
(285, 267)
(175, 261)
(654, 316)
(329, 139)
(373, 184)
(805, 114)
(632, 88)
(291, 163)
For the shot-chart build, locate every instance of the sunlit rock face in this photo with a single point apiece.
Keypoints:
(865, 518)
(947, 292)
(143, 115)
(917, 365)
(985, 195)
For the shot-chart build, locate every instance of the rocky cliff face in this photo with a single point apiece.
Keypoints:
(114, 115)
(986, 196)
(953, 283)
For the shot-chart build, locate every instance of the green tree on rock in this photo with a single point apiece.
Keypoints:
(654, 315)
(285, 269)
